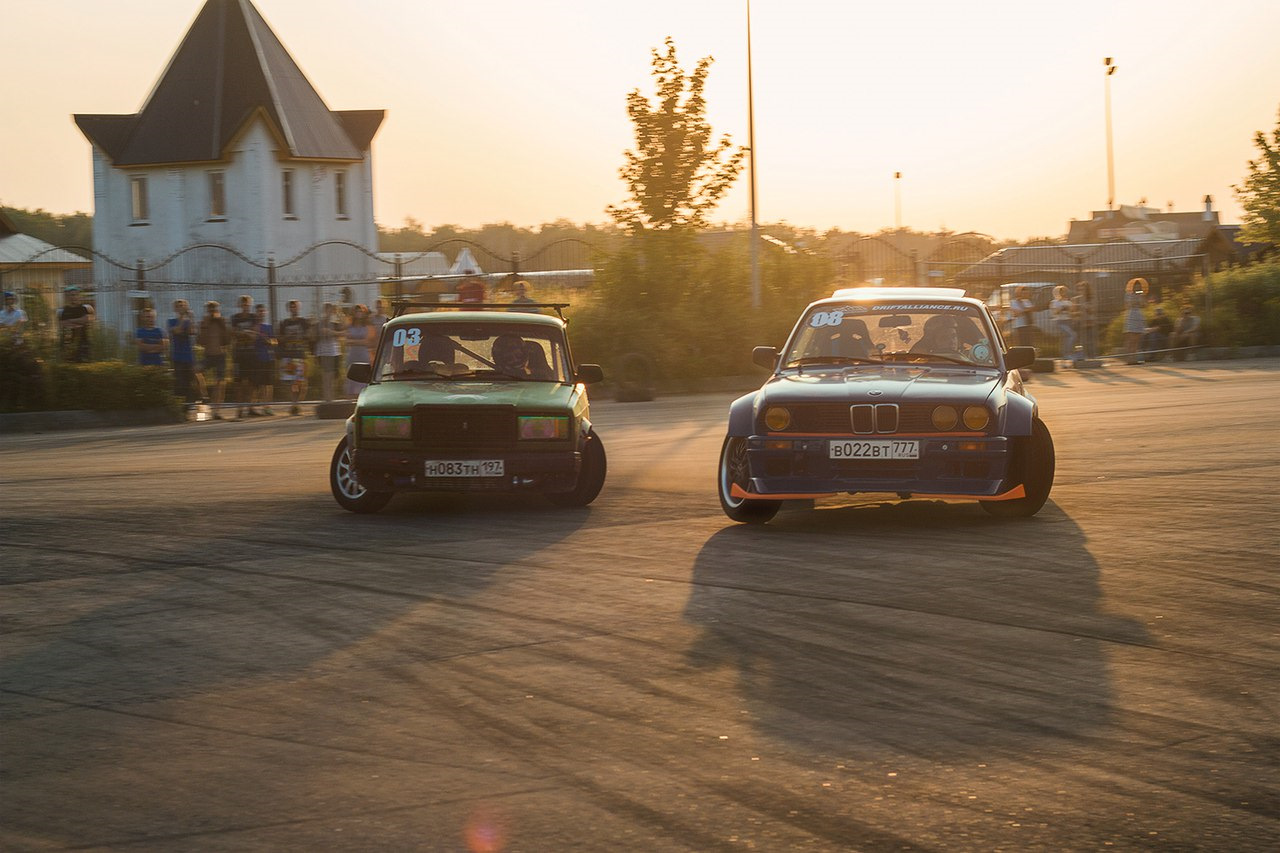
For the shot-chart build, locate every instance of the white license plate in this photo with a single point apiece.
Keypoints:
(875, 448)
(464, 468)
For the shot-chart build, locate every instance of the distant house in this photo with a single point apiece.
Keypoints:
(232, 147)
(1166, 248)
(29, 265)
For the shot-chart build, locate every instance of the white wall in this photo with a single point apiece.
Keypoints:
(255, 224)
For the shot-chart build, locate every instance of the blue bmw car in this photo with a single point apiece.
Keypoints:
(904, 391)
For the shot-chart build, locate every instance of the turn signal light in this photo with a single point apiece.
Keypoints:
(777, 418)
(945, 418)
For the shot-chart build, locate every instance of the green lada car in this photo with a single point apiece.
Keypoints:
(485, 399)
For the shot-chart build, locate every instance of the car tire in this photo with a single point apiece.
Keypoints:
(590, 476)
(733, 469)
(346, 489)
(1032, 466)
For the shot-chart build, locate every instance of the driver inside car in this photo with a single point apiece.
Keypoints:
(510, 356)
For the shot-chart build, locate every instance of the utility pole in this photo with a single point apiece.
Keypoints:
(751, 144)
(1111, 167)
(897, 200)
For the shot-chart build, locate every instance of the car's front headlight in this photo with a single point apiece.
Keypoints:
(777, 418)
(543, 427)
(397, 427)
(976, 417)
(944, 418)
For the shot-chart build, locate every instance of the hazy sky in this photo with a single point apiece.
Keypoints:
(514, 110)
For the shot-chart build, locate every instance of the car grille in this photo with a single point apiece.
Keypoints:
(453, 428)
(837, 418)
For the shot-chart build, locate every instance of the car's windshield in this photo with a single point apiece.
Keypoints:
(433, 350)
(912, 332)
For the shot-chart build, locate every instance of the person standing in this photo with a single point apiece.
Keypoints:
(215, 336)
(244, 357)
(74, 319)
(328, 348)
(12, 319)
(295, 340)
(1061, 309)
(378, 319)
(264, 355)
(1085, 319)
(1135, 318)
(150, 340)
(359, 339)
(182, 354)
(522, 298)
(471, 289)
(1187, 333)
(1022, 309)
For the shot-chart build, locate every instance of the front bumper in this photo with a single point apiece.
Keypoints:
(404, 470)
(800, 467)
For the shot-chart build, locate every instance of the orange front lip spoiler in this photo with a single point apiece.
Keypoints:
(737, 492)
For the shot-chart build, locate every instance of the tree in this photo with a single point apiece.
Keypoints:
(1260, 193)
(57, 229)
(677, 172)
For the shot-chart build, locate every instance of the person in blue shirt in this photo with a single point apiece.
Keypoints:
(150, 340)
(187, 383)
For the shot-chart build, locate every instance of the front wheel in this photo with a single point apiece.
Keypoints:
(346, 487)
(733, 471)
(1032, 465)
(590, 476)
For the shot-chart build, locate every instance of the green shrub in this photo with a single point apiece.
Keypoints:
(1245, 305)
(110, 386)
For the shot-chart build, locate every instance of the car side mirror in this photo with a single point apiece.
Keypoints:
(1016, 357)
(360, 372)
(588, 374)
(765, 356)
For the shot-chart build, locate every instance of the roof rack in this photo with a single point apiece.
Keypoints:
(402, 306)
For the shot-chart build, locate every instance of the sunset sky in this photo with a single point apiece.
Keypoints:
(514, 111)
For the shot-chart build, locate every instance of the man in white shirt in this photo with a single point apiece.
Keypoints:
(12, 319)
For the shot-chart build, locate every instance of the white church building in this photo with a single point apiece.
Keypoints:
(233, 152)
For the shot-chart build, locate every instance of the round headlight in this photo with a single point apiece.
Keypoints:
(945, 418)
(976, 417)
(777, 418)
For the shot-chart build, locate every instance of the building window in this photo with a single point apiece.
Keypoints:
(340, 193)
(217, 195)
(138, 195)
(286, 194)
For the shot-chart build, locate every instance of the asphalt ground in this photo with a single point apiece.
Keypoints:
(201, 651)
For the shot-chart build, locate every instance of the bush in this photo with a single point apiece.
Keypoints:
(1245, 305)
(110, 386)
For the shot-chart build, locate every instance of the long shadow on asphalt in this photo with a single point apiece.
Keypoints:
(923, 628)
(277, 587)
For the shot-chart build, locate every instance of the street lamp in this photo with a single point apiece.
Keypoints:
(751, 145)
(897, 200)
(1111, 168)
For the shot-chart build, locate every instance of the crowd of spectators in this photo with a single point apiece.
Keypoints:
(246, 356)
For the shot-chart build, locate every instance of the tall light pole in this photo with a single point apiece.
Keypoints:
(1111, 166)
(751, 168)
(897, 200)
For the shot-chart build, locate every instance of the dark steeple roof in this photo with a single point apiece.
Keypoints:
(230, 67)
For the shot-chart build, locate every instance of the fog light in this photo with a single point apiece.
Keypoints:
(944, 418)
(778, 444)
(976, 417)
(777, 418)
(970, 445)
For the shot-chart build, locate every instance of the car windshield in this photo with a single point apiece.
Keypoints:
(910, 332)
(506, 351)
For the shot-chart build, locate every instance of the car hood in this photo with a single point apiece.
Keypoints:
(403, 395)
(883, 384)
